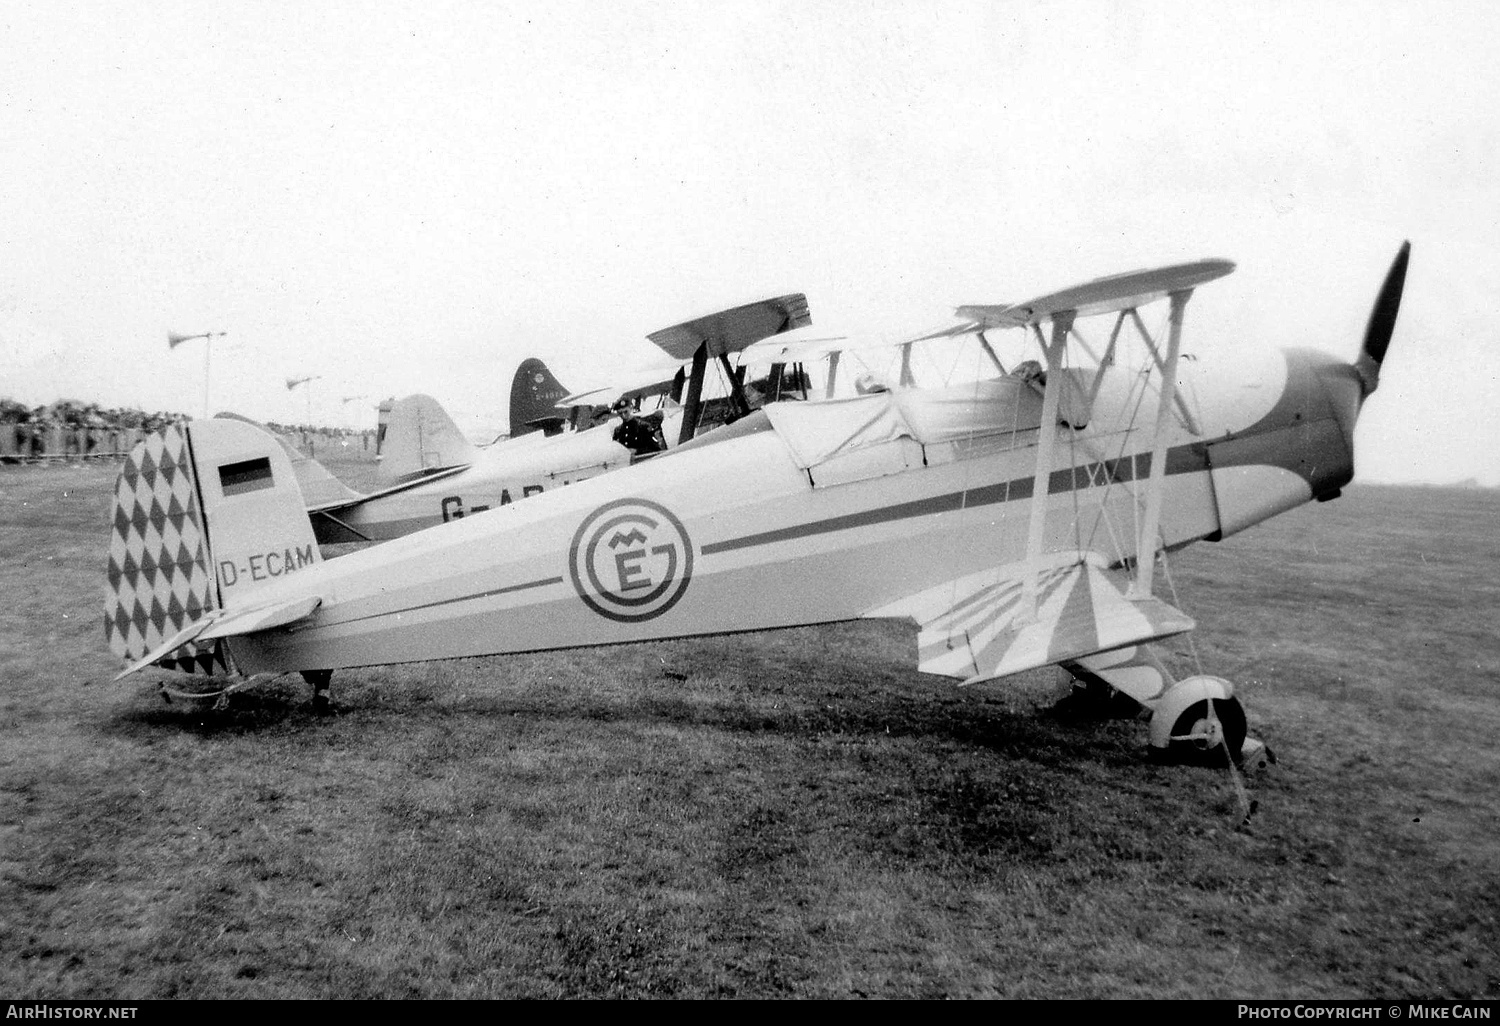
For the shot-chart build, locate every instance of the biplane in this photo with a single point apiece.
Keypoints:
(1018, 520)
(431, 474)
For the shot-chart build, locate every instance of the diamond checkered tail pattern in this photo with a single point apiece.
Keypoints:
(159, 576)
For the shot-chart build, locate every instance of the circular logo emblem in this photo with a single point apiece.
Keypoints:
(631, 560)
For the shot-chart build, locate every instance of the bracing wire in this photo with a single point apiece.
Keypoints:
(1247, 807)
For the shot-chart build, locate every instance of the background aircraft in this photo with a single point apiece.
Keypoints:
(1017, 529)
(432, 474)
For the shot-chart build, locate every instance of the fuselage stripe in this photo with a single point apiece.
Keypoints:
(1181, 459)
(544, 582)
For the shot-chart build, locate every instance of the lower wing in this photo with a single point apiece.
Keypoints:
(1021, 616)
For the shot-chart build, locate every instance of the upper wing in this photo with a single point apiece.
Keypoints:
(729, 331)
(981, 626)
(1102, 295)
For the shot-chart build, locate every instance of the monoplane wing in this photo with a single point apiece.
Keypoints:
(980, 626)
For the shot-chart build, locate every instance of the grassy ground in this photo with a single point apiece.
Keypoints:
(790, 814)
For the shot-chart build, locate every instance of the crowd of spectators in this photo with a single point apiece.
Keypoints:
(310, 429)
(72, 428)
(69, 428)
(69, 413)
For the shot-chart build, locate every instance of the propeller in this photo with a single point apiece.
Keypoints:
(1383, 321)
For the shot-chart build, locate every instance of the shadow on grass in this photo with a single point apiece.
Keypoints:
(258, 708)
(889, 706)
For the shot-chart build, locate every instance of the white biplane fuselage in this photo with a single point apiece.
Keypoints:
(734, 534)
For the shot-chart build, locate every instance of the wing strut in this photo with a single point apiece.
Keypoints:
(989, 351)
(736, 386)
(1062, 323)
(1182, 408)
(693, 408)
(1104, 363)
(1145, 549)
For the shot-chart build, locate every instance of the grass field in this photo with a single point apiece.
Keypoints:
(794, 814)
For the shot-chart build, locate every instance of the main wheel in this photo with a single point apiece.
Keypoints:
(1205, 729)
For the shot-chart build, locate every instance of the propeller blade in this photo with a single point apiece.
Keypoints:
(1383, 320)
(1383, 314)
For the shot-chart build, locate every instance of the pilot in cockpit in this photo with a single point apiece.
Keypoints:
(1029, 371)
(641, 435)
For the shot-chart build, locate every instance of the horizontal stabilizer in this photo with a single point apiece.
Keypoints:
(981, 626)
(248, 621)
(186, 636)
(220, 624)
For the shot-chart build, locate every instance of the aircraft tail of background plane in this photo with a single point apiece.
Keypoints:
(319, 486)
(534, 394)
(421, 438)
(221, 480)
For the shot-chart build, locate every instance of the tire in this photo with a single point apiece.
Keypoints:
(1200, 735)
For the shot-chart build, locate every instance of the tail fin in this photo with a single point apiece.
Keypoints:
(206, 514)
(422, 438)
(534, 393)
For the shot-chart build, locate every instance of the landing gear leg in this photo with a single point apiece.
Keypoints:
(320, 681)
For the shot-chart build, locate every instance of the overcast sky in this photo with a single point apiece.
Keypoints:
(415, 197)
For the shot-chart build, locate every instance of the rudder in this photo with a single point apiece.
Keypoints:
(158, 576)
(534, 394)
(206, 514)
(421, 438)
